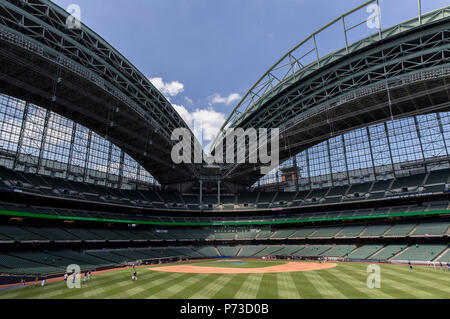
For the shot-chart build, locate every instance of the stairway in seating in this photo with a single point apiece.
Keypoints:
(413, 230)
(217, 251)
(376, 252)
(362, 232)
(388, 229)
(441, 254)
(239, 252)
(401, 251)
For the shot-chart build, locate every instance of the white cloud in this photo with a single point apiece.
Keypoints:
(218, 99)
(190, 101)
(210, 121)
(167, 88)
(184, 113)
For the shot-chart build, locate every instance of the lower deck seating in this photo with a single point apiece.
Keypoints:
(445, 257)
(250, 251)
(388, 252)
(313, 250)
(421, 252)
(364, 252)
(340, 250)
(207, 251)
(229, 251)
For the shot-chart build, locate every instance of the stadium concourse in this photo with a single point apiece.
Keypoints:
(86, 176)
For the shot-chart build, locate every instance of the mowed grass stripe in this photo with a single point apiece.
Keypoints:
(133, 288)
(286, 286)
(235, 284)
(185, 281)
(268, 288)
(250, 287)
(334, 278)
(392, 280)
(389, 283)
(195, 287)
(325, 288)
(305, 288)
(103, 286)
(153, 288)
(421, 284)
(357, 278)
(213, 288)
(425, 273)
(111, 283)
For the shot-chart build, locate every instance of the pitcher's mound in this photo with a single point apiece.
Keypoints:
(288, 267)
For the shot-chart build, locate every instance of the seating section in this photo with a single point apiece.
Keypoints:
(364, 252)
(283, 233)
(437, 228)
(303, 233)
(340, 251)
(445, 257)
(56, 261)
(375, 230)
(434, 182)
(326, 232)
(351, 231)
(421, 252)
(228, 251)
(250, 251)
(388, 252)
(400, 230)
(26, 233)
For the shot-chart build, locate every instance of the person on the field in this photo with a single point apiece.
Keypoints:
(22, 280)
(65, 277)
(36, 280)
(440, 265)
(89, 275)
(410, 266)
(134, 277)
(44, 280)
(85, 276)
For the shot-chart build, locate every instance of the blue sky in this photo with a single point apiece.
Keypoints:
(205, 54)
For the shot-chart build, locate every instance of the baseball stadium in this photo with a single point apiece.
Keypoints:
(92, 204)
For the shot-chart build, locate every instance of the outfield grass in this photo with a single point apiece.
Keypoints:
(347, 280)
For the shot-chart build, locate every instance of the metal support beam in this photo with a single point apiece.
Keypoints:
(441, 129)
(121, 165)
(72, 143)
(329, 162)
(218, 192)
(294, 163)
(369, 139)
(386, 131)
(88, 151)
(43, 140)
(201, 195)
(22, 130)
(345, 158)
(419, 137)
